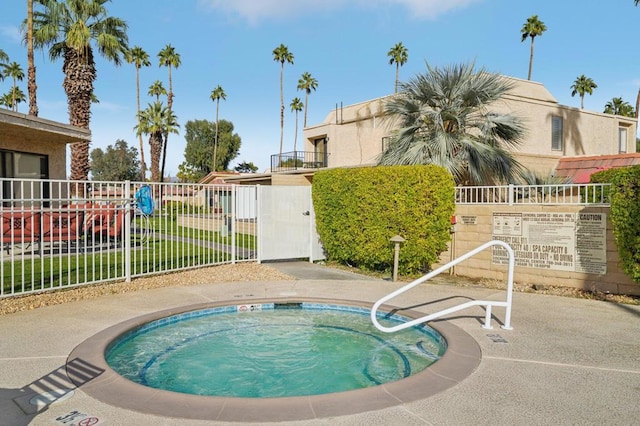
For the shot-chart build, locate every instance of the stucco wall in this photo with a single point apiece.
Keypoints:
(584, 132)
(290, 179)
(469, 236)
(56, 152)
(355, 132)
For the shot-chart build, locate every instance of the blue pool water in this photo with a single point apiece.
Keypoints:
(271, 350)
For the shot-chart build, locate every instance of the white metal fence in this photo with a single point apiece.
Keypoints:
(58, 234)
(593, 194)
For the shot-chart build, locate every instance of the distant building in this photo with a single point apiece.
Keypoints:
(35, 148)
(356, 135)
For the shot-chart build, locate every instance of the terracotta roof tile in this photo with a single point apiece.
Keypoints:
(580, 169)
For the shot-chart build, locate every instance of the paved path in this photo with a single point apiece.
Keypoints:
(303, 270)
(566, 362)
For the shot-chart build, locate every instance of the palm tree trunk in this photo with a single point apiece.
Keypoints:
(295, 141)
(397, 76)
(306, 102)
(143, 166)
(155, 145)
(14, 105)
(215, 141)
(530, 58)
(281, 109)
(80, 73)
(31, 72)
(164, 155)
(166, 134)
(637, 103)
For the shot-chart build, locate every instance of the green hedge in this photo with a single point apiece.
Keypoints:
(625, 214)
(358, 210)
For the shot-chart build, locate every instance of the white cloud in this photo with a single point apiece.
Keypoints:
(254, 11)
(431, 9)
(12, 33)
(109, 106)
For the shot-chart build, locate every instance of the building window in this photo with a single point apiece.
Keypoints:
(23, 165)
(385, 143)
(556, 133)
(320, 152)
(622, 140)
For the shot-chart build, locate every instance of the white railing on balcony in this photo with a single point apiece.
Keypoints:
(592, 194)
(59, 234)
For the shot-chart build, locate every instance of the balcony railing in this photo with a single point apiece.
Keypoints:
(297, 160)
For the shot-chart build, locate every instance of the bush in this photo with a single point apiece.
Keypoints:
(625, 214)
(358, 210)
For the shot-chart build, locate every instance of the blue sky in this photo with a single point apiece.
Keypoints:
(344, 45)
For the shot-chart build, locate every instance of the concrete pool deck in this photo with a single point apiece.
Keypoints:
(566, 361)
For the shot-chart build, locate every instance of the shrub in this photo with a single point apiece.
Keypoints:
(625, 214)
(358, 210)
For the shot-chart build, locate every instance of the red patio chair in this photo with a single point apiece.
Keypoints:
(107, 224)
(61, 226)
(19, 227)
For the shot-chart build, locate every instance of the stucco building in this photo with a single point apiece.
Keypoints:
(35, 148)
(356, 134)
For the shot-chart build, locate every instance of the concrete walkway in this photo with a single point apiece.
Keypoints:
(566, 361)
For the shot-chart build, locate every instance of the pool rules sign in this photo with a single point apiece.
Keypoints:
(561, 241)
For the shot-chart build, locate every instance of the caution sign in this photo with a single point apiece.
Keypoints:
(77, 418)
(562, 241)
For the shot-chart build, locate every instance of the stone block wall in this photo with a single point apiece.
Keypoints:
(478, 228)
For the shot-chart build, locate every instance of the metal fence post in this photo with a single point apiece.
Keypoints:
(234, 200)
(258, 239)
(127, 230)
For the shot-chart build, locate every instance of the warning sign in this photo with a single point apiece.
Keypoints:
(560, 241)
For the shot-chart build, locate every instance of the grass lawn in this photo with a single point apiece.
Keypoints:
(35, 273)
(166, 226)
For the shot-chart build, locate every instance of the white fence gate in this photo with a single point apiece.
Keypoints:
(286, 224)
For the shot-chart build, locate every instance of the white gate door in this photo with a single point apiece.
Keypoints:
(286, 224)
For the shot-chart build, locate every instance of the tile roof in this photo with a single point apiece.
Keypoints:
(580, 169)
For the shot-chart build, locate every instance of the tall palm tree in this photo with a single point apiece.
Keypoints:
(13, 70)
(6, 99)
(156, 121)
(581, 86)
(4, 60)
(444, 117)
(70, 28)
(399, 55)
(12, 98)
(532, 29)
(281, 54)
(18, 97)
(171, 59)
(296, 105)
(139, 58)
(619, 106)
(32, 87)
(307, 83)
(156, 89)
(216, 95)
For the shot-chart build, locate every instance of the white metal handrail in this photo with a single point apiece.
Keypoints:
(487, 303)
